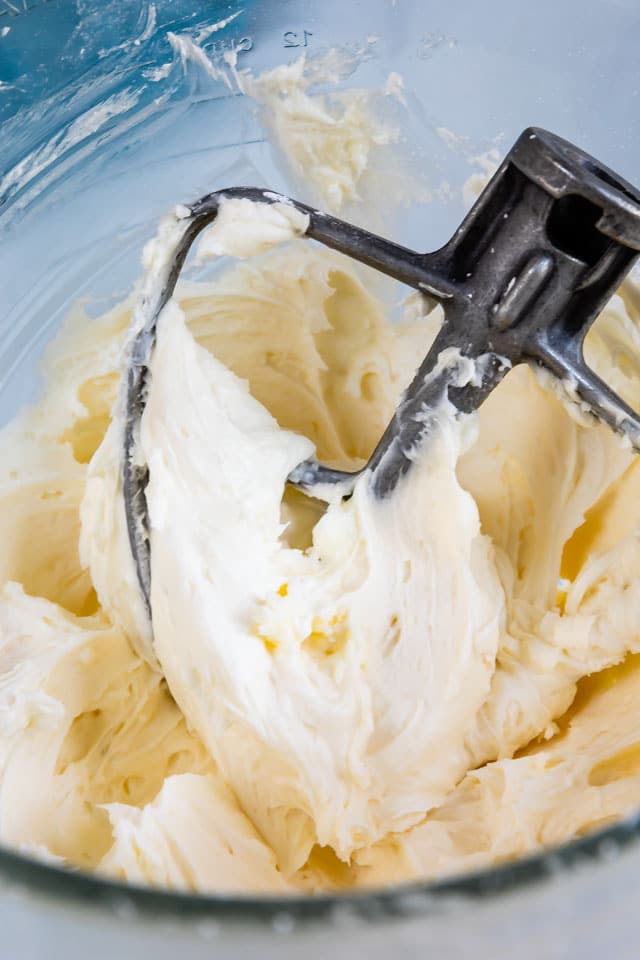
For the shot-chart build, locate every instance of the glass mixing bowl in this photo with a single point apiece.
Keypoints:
(103, 129)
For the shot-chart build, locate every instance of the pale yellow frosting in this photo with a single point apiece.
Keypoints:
(334, 694)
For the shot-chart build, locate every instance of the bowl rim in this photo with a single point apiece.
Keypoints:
(62, 885)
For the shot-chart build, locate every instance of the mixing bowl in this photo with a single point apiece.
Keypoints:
(103, 128)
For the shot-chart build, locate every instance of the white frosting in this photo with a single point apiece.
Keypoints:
(289, 663)
(219, 848)
(244, 229)
(274, 653)
(83, 722)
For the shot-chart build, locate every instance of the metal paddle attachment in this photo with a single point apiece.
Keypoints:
(521, 281)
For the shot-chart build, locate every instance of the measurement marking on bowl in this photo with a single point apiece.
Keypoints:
(293, 38)
(226, 44)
